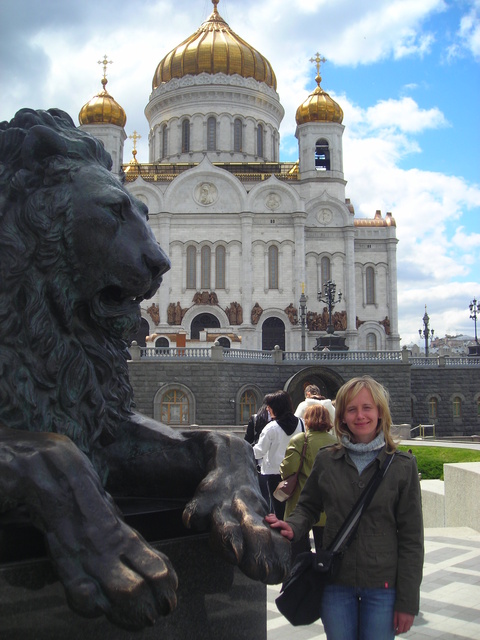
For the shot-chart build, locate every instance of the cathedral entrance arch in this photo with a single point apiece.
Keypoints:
(327, 380)
(141, 333)
(201, 322)
(273, 333)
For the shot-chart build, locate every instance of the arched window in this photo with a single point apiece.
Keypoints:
(325, 271)
(260, 140)
(370, 285)
(205, 264)
(162, 342)
(371, 342)
(432, 409)
(211, 134)
(322, 155)
(248, 405)
(224, 342)
(164, 141)
(185, 136)
(273, 267)
(237, 135)
(174, 407)
(220, 267)
(191, 282)
(457, 407)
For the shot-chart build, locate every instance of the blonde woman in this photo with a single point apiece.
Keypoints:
(377, 589)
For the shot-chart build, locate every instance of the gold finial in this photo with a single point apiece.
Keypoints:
(105, 61)
(215, 2)
(303, 287)
(135, 136)
(318, 60)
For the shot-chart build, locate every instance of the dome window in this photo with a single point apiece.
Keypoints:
(237, 135)
(164, 141)
(260, 141)
(186, 136)
(211, 134)
(322, 155)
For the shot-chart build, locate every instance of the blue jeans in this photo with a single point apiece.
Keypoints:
(358, 614)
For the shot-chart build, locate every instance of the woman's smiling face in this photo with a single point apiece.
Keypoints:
(361, 416)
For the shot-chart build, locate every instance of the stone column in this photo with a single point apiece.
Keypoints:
(393, 340)
(350, 303)
(246, 219)
(163, 237)
(299, 219)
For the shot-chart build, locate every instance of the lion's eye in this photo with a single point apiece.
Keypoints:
(117, 209)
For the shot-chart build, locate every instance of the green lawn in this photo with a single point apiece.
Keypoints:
(430, 460)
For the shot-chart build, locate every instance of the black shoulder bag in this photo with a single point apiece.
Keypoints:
(300, 598)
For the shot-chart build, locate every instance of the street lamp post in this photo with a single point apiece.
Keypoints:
(328, 298)
(426, 331)
(474, 308)
(303, 314)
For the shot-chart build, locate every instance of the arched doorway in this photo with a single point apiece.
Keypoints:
(141, 333)
(201, 322)
(273, 333)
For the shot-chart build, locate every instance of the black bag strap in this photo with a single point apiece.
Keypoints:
(349, 527)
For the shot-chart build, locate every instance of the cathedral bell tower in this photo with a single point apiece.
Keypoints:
(105, 119)
(319, 133)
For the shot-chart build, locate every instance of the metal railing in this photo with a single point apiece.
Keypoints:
(277, 356)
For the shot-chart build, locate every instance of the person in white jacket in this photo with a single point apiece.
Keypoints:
(272, 444)
(313, 396)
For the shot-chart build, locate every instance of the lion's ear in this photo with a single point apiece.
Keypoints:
(40, 143)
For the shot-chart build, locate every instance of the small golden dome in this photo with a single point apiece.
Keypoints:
(102, 109)
(319, 106)
(214, 48)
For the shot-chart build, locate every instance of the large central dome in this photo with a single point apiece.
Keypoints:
(214, 48)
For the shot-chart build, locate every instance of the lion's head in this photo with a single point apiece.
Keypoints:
(76, 259)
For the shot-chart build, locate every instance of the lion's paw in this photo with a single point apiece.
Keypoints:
(239, 532)
(130, 583)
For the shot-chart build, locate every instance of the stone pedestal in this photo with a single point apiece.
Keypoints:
(216, 601)
(331, 342)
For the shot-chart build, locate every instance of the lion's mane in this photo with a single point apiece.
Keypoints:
(60, 370)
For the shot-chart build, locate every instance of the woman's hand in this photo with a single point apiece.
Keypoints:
(284, 528)
(402, 622)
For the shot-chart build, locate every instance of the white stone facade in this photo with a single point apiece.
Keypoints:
(246, 233)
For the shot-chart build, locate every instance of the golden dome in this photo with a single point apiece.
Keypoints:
(319, 106)
(102, 109)
(214, 48)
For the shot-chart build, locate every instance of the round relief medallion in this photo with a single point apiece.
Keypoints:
(324, 216)
(205, 193)
(273, 201)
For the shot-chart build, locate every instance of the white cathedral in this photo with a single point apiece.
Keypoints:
(250, 236)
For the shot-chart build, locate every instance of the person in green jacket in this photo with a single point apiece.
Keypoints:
(375, 594)
(317, 425)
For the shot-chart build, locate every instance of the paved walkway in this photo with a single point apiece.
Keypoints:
(450, 593)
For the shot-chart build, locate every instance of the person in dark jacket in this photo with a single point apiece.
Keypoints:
(255, 427)
(376, 593)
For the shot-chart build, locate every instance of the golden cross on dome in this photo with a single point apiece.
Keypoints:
(105, 61)
(318, 60)
(135, 136)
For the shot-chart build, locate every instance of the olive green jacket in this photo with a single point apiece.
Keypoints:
(387, 550)
(316, 440)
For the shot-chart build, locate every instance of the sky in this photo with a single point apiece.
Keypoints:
(405, 72)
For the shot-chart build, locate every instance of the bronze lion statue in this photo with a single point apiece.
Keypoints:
(76, 259)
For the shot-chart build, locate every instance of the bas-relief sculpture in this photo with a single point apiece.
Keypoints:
(76, 259)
